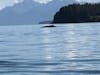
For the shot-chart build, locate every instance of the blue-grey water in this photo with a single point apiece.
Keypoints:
(68, 49)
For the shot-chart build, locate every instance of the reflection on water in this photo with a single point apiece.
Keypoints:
(70, 49)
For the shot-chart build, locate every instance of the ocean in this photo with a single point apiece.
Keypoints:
(67, 49)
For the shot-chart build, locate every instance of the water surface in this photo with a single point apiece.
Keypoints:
(68, 49)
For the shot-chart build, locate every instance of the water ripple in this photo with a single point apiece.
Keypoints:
(68, 49)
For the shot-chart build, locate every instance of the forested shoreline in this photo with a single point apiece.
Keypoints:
(77, 13)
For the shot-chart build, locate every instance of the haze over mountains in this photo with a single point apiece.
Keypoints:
(30, 12)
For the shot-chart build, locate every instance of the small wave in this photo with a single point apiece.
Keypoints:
(72, 71)
(25, 64)
(82, 60)
(7, 63)
(55, 72)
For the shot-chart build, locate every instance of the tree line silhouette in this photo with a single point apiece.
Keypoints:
(77, 13)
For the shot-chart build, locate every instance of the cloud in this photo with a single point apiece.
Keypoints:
(42, 1)
(89, 1)
(6, 3)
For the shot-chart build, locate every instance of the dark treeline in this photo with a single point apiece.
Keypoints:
(76, 13)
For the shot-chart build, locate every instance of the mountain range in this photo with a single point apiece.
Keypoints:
(30, 12)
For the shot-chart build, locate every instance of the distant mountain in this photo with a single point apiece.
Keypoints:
(45, 22)
(30, 12)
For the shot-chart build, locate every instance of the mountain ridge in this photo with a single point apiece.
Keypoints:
(29, 12)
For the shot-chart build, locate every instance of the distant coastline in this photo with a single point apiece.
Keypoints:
(78, 13)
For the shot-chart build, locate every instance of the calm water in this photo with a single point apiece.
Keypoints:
(69, 49)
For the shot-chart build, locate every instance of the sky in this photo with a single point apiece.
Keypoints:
(6, 3)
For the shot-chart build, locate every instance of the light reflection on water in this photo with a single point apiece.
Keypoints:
(70, 49)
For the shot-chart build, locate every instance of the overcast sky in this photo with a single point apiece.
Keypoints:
(5, 3)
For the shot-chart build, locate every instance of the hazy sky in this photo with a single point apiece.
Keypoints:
(5, 3)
